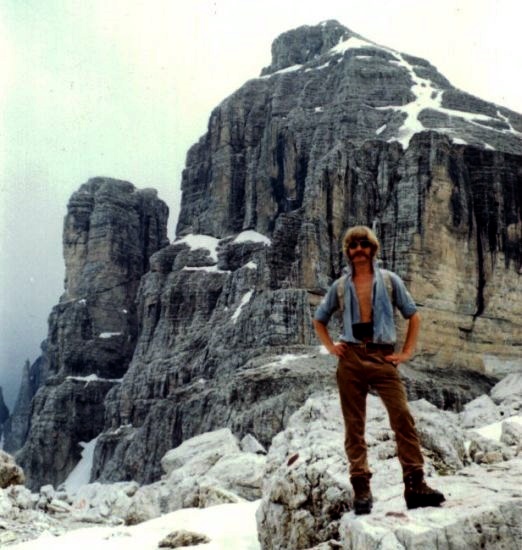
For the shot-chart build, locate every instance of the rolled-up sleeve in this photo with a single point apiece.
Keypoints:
(328, 306)
(403, 299)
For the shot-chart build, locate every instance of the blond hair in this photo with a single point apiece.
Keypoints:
(358, 233)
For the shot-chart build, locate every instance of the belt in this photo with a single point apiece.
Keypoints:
(369, 346)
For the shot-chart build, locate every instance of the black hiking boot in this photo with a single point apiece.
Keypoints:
(362, 497)
(418, 494)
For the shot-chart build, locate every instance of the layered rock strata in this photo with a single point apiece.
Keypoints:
(307, 497)
(4, 412)
(306, 494)
(336, 131)
(349, 132)
(110, 231)
(17, 425)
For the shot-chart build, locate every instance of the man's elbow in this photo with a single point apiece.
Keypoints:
(318, 323)
(415, 318)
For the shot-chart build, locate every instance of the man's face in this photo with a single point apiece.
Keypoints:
(360, 250)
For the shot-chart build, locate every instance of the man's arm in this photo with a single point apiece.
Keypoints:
(410, 342)
(335, 348)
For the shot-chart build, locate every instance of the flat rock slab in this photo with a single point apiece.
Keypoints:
(483, 510)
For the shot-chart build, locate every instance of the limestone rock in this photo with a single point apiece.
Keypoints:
(511, 433)
(205, 470)
(447, 451)
(21, 497)
(4, 411)
(448, 389)
(305, 44)
(476, 515)
(210, 494)
(200, 453)
(5, 503)
(17, 425)
(509, 390)
(319, 142)
(110, 231)
(183, 538)
(249, 444)
(111, 500)
(483, 450)
(307, 489)
(307, 498)
(479, 412)
(10, 472)
(240, 473)
(217, 333)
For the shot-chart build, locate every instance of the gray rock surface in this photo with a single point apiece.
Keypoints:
(512, 435)
(336, 131)
(317, 143)
(307, 497)
(479, 412)
(110, 231)
(205, 470)
(10, 472)
(183, 538)
(4, 412)
(16, 427)
(482, 511)
(509, 390)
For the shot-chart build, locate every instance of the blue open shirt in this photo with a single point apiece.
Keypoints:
(382, 309)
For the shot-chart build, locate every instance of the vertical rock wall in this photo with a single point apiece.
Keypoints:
(110, 231)
(337, 131)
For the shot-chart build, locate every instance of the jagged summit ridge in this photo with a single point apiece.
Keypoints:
(428, 102)
(305, 45)
(268, 143)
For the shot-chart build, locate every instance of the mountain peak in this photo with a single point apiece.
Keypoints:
(379, 92)
(306, 43)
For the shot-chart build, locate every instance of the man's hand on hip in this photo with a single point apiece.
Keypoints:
(396, 358)
(338, 349)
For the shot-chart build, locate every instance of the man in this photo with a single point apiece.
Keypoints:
(367, 358)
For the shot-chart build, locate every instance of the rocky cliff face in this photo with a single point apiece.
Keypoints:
(17, 425)
(4, 412)
(110, 231)
(337, 131)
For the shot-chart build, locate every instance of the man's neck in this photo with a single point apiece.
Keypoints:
(362, 269)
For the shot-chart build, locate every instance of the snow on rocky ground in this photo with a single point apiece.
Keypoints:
(298, 495)
(228, 526)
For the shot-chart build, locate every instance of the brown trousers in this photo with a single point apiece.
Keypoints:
(357, 371)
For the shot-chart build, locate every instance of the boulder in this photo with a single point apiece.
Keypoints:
(200, 453)
(105, 500)
(249, 444)
(512, 433)
(482, 510)
(10, 472)
(509, 391)
(183, 538)
(440, 435)
(206, 470)
(479, 412)
(307, 496)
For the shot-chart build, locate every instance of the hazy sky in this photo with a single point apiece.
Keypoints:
(124, 88)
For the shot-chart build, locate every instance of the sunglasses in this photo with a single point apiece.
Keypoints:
(364, 243)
